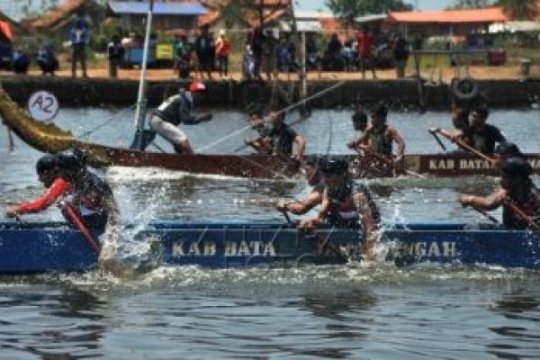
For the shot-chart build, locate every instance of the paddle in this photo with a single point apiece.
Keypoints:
(486, 215)
(462, 144)
(388, 161)
(320, 242)
(434, 134)
(76, 220)
(531, 224)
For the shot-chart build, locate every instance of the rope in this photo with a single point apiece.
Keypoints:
(95, 128)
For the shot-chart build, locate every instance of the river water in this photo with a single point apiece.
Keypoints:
(355, 311)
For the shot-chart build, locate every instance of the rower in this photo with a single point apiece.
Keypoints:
(175, 110)
(360, 124)
(68, 181)
(345, 206)
(483, 136)
(262, 143)
(517, 188)
(506, 150)
(460, 120)
(379, 137)
(283, 137)
(310, 170)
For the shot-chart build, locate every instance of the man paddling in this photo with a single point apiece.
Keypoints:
(72, 186)
(360, 125)
(378, 139)
(345, 206)
(516, 194)
(177, 110)
(483, 136)
(284, 137)
(262, 143)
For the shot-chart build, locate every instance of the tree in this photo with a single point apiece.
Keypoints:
(472, 4)
(348, 10)
(519, 9)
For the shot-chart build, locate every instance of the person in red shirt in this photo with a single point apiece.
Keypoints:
(223, 48)
(70, 184)
(47, 169)
(365, 51)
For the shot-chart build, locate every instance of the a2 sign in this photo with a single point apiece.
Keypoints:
(43, 105)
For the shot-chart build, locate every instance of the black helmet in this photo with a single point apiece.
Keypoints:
(507, 149)
(47, 163)
(334, 166)
(72, 160)
(516, 166)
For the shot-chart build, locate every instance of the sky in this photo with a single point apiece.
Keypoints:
(9, 6)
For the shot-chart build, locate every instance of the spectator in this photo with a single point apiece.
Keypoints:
(283, 55)
(311, 52)
(332, 59)
(116, 55)
(182, 51)
(21, 62)
(78, 37)
(400, 48)
(223, 48)
(268, 54)
(47, 61)
(204, 47)
(365, 51)
(249, 66)
(256, 41)
(418, 45)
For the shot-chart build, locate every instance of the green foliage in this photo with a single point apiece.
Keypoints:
(231, 11)
(348, 10)
(519, 9)
(471, 4)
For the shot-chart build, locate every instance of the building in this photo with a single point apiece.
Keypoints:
(166, 16)
(446, 23)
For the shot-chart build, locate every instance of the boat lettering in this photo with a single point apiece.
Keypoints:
(445, 249)
(447, 164)
(231, 248)
(249, 248)
(474, 164)
(205, 248)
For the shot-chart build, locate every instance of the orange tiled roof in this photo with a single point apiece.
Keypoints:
(487, 15)
(209, 18)
(6, 30)
(55, 15)
(538, 10)
(330, 25)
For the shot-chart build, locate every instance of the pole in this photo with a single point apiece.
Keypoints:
(141, 99)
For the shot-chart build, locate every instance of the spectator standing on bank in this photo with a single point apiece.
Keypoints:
(223, 48)
(47, 61)
(116, 53)
(255, 41)
(365, 51)
(400, 48)
(78, 37)
(268, 54)
(204, 47)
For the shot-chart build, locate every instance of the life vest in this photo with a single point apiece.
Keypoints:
(380, 141)
(530, 205)
(91, 198)
(343, 212)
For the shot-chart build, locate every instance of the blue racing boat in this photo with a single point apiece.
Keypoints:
(42, 247)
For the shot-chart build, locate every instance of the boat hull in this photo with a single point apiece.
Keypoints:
(45, 247)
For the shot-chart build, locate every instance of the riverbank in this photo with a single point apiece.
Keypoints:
(502, 87)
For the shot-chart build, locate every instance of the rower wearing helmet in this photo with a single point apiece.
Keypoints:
(92, 196)
(48, 171)
(505, 150)
(175, 110)
(345, 205)
(515, 188)
(69, 182)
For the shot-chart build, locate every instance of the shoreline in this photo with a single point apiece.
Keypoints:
(99, 91)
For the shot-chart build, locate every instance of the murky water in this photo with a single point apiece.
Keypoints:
(354, 311)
